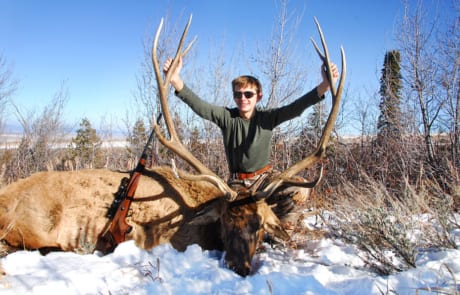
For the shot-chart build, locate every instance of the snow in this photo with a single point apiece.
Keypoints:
(323, 266)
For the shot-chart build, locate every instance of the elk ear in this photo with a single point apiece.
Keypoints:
(271, 224)
(208, 213)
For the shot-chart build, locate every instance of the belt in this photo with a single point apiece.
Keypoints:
(243, 175)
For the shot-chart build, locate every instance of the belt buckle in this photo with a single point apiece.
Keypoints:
(251, 180)
(247, 182)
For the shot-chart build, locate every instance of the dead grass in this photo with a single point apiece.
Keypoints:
(5, 249)
(379, 223)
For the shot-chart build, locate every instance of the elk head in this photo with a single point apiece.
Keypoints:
(243, 216)
(242, 225)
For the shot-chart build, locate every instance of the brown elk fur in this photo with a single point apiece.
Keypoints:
(66, 210)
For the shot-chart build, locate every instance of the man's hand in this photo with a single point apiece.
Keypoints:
(324, 86)
(176, 80)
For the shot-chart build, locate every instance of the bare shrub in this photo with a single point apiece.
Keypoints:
(391, 231)
(42, 132)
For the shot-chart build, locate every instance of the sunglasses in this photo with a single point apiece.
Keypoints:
(239, 94)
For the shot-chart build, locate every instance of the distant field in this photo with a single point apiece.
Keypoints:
(11, 141)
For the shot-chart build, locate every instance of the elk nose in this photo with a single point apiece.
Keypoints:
(242, 270)
(246, 271)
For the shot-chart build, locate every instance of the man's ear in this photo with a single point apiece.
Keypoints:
(259, 96)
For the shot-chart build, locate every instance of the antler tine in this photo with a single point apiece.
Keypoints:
(319, 152)
(324, 57)
(160, 84)
(179, 49)
(343, 73)
(156, 66)
(173, 143)
(163, 85)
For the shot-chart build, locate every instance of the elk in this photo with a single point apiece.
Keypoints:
(66, 210)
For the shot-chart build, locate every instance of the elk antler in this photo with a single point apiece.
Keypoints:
(174, 143)
(285, 178)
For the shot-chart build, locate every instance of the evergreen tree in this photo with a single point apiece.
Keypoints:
(389, 122)
(317, 120)
(86, 146)
(137, 139)
(310, 135)
(196, 147)
(390, 147)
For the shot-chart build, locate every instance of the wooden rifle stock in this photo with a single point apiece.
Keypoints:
(115, 231)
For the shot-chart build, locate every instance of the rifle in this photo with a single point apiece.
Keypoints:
(117, 227)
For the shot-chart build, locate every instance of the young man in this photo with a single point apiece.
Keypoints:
(247, 131)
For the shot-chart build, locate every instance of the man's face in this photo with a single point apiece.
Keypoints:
(246, 99)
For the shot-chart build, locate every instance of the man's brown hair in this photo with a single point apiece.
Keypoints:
(246, 80)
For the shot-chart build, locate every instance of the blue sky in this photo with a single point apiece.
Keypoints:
(96, 47)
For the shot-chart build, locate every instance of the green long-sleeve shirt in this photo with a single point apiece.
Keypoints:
(247, 142)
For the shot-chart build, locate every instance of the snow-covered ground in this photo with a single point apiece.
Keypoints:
(322, 267)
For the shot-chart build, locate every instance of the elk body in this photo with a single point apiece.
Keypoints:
(62, 209)
(66, 210)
